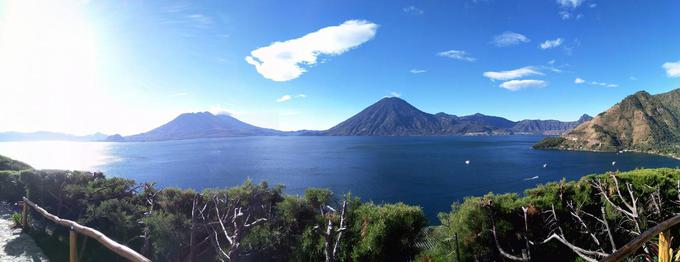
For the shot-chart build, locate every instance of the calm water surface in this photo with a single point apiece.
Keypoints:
(428, 171)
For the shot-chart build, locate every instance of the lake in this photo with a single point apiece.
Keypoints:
(427, 171)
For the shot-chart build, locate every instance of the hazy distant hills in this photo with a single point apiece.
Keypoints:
(393, 116)
(640, 122)
(48, 136)
(388, 117)
(548, 127)
(200, 125)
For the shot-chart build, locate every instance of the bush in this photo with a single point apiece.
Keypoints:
(11, 189)
(549, 143)
(7, 163)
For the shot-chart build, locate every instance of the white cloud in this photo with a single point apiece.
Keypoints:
(579, 81)
(551, 43)
(565, 15)
(551, 62)
(593, 5)
(514, 85)
(284, 98)
(200, 19)
(569, 7)
(219, 110)
(570, 3)
(509, 38)
(282, 61)
(179, 94)
(672, 68)
(395, 94)
(417, 71)
(595, 83)
(632, 78)
(457, 54)
(413, 10)
(512, 74)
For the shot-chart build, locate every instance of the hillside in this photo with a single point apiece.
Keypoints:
(7, 163)
(389, 116)
(199, 125)
(393, 116)
(640, 122)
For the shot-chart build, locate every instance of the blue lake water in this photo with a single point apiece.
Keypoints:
(427, 171)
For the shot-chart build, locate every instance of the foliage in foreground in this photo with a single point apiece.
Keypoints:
(598, 214)
(250, 222)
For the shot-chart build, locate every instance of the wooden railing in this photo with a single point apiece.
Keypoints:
(662, 229)
(76, 228)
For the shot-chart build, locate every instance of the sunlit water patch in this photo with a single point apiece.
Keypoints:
(59, 154)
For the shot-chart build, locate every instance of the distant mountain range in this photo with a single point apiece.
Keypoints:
(201, 125)
(393, 116)
(640, 122)
(48, 136)
(387, 117)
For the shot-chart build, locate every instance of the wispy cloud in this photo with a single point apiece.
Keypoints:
(580, 81)
(282, 61)
(179, 94)
(672, 68)
(219, 110)
(509, 38)
(551, 43)
(633, 78)
(285, 98)
(394, 94)
(570, 3)
(196, 20)
(458, 55)
(515, 85)
(417, 71)
(176, 7)
(595, 83)
(200, 19)
(413, 10)
(569, 8)
(512, 74)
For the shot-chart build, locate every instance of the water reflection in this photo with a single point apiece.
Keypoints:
(59, 154)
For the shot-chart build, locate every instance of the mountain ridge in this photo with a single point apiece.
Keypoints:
(640, 122)
(199, 125)
(392, 116)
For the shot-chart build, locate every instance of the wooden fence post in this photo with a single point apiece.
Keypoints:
(457, 249)
(24, 215)
(664, 245)
(72, 246)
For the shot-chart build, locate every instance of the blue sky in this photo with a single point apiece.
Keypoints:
(128, 66)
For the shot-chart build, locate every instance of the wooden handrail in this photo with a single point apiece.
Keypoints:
(112, 245)
(636, 243)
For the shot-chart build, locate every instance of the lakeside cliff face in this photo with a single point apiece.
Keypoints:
(393, 116)
(640, 122)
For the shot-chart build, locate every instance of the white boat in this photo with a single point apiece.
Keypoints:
(545, 165)
(467, 162)
(613, 163)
